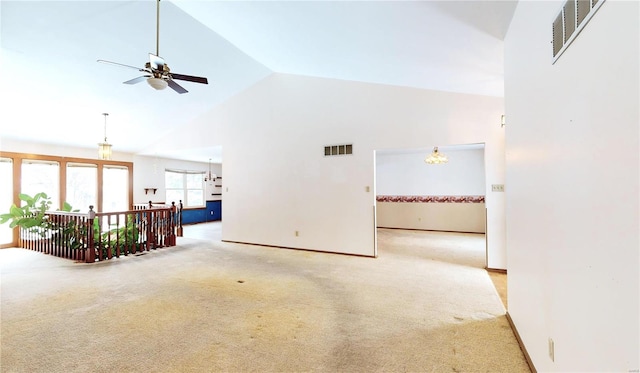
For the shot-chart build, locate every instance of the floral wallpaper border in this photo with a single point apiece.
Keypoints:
(432, 199)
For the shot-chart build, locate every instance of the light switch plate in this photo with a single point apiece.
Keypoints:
(497, 187)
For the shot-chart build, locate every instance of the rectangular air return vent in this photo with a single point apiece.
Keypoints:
(572, 18)
(345, 149)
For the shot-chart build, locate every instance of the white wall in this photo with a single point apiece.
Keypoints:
(405, 173)
(572, 188)
(18, 146)
(279, 182)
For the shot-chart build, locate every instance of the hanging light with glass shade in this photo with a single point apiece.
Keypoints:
(104, 148)
(436, 157)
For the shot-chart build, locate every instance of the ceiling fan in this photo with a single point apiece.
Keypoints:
(156, 72)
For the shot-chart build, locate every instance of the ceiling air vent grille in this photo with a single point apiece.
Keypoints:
(572, 18)
(345, 149)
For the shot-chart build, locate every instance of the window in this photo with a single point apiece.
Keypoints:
(184, 186)
(41, 176)
(6, 197)
(82, 186)
(72, 180)
(115, 189)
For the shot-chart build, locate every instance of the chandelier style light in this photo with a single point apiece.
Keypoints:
(436, 157)
(104, 148)
(211, 176)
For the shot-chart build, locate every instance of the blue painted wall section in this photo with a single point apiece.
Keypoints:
(212, 212)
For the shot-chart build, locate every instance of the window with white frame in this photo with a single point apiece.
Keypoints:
(185, 186)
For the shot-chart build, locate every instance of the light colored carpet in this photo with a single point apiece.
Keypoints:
(424, 305)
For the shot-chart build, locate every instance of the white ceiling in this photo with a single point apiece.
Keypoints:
(54, 91)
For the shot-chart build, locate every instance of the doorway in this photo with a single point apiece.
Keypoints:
(416, 196)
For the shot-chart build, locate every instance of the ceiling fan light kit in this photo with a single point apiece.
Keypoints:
(157, 83)
(156, 72)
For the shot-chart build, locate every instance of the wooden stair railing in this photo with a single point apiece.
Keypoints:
(102, 236)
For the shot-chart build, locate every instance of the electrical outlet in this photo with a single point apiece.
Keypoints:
(497, 187)
(552, 352)
(366, 189)
(297, 233)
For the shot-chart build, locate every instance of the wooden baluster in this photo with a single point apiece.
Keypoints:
(172, 225)
(56, 249)
(117, 236)
(57, 241)
(180, 219)
(79, 253)
(150, 232)
(141, 232)
(102, 251)
(65, 242)
(125, 241)
(108, 233)
(90, 251)
(48, 240)
(160, 228)
(72, 221)
(39, 242)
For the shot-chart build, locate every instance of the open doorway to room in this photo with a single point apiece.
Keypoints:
(439, 207)
(208, 225)
(434, 211)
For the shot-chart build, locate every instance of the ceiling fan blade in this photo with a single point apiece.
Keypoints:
(176, 87)
(189, 78)
(121, 64)
(137, 80)
(157, 63)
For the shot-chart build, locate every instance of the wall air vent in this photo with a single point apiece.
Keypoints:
(566, 26)
(345, 149)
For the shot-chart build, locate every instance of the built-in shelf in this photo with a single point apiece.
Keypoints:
(147, 190)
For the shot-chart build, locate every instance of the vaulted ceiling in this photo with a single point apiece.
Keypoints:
(54, 91)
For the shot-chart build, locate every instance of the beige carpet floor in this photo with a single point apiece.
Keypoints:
(424, 305)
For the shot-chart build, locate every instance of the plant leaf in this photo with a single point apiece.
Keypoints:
(5, 218)
(25, 197)
(29, 222)
(16, 211)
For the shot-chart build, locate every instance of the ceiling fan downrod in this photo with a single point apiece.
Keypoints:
(158, 28)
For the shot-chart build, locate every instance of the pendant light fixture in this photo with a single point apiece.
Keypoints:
(211, 176)
(104, 148)
(436, 157)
